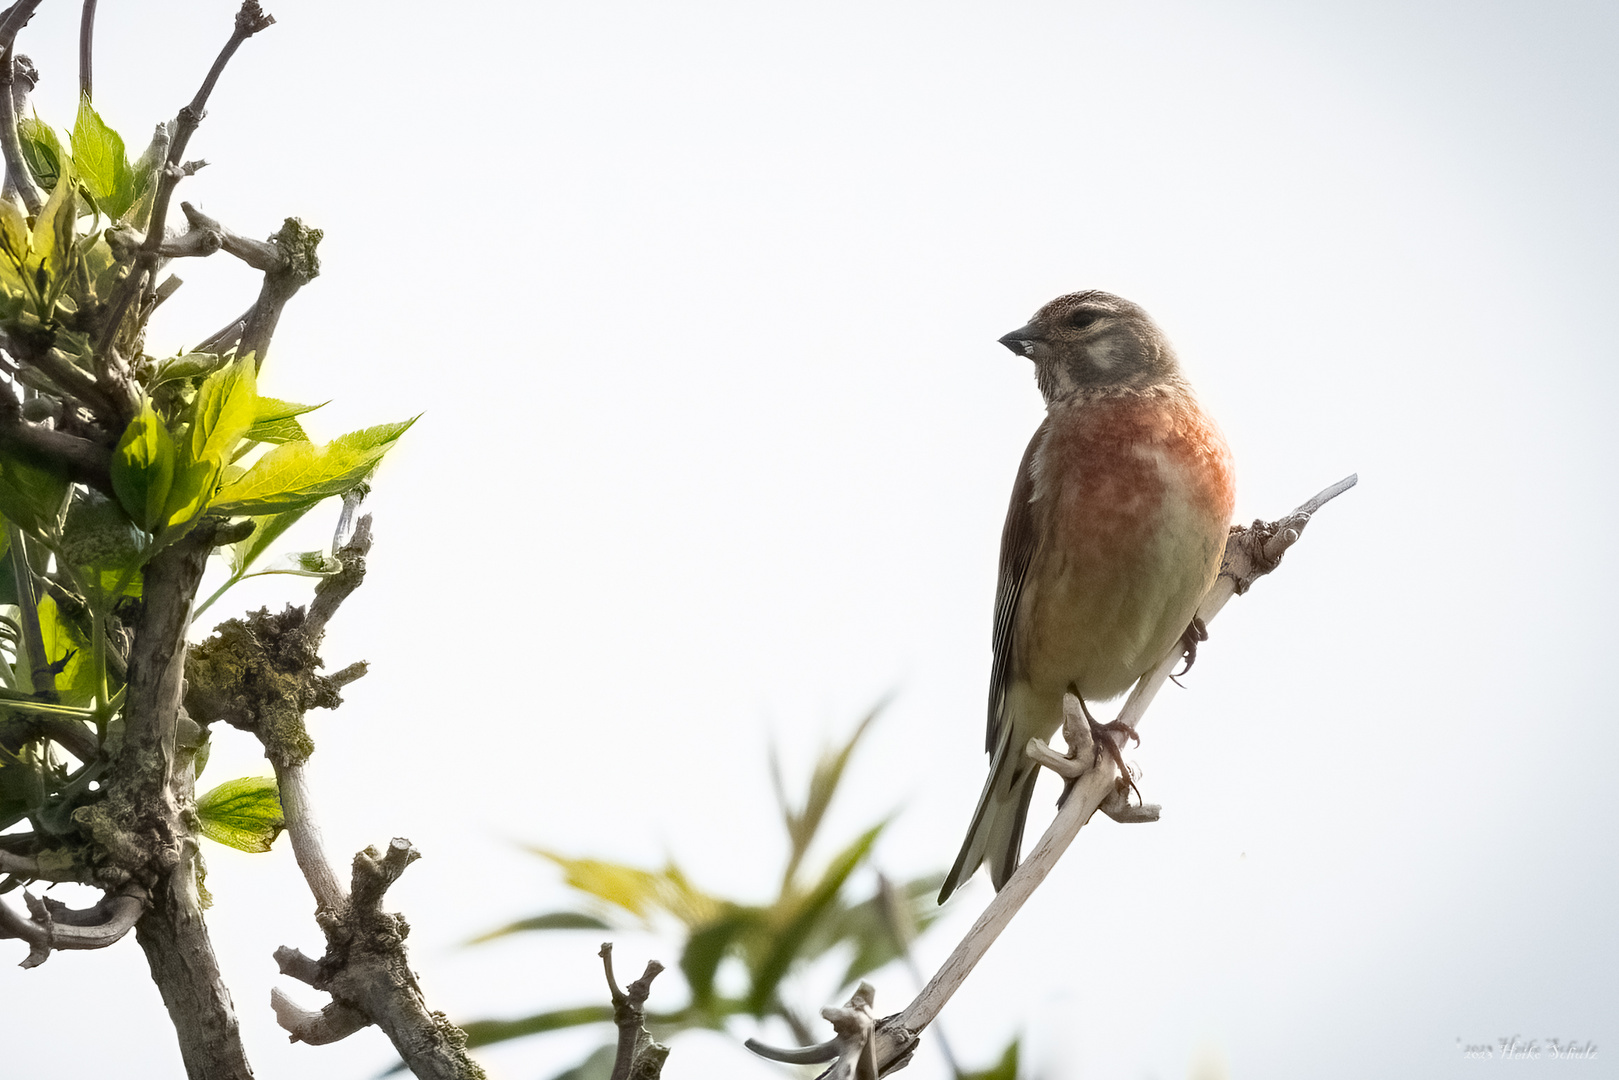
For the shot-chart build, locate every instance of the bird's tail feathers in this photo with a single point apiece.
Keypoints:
(996, 832)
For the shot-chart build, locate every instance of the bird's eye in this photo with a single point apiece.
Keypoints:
(1079, 320)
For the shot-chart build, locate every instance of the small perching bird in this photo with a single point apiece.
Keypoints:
(1118, 519)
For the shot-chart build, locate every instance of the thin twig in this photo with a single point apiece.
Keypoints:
(638, 1055)
(249, 21)
(87, 24)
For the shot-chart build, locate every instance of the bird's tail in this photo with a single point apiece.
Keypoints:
(996, 832)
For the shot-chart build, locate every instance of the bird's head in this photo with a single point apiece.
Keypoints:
(1093, 340)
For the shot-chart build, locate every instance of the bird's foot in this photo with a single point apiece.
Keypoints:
(1086, 741)
(1197, 631)
(1102, 738)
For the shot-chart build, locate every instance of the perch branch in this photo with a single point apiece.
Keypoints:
(1250, 553)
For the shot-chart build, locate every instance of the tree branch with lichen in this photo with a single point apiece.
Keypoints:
(260, 674)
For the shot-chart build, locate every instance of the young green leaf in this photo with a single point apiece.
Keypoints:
(143, 467)
(709, 945)
(224, 409)
(556, 920)
(480, 1032)
(274, 422)
(51, 250)
(187, 366)
(244, 814)
(13, 248)
(799, 918)
(68, 656)
(267, 529)
(227, 404)
(31, 496)
(300, 474)
(101, 163)
(41, 150)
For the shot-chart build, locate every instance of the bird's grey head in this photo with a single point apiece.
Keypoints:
(1093, 340)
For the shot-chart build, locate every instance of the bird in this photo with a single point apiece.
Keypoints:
(1115, 531)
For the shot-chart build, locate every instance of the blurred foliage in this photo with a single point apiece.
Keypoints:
(813, 915)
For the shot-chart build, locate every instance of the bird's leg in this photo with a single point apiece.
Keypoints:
(1196, 631)
(1101, 736)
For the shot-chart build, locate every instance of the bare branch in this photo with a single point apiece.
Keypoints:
(366, 972)
(331, 1024)
(52, 925)
(249, 21)
(259, 254)
(638, 1055)
(296, 244)
(852, 1050)
(87, 25)
(303, 831)
(14, 18)
(332, 591)
(18, 177)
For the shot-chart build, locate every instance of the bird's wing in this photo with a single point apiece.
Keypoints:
(1017, 551)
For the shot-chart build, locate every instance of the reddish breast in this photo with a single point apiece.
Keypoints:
(1121, 456)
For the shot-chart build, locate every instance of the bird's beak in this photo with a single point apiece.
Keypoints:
(1021, 340)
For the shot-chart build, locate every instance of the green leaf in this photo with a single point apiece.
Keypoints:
(802, 825)
(801, 920)
(637, 891)
(14, 244)
(143, 467)
(1005, 1069)
(77, 681)
(224, 409)
(299, 474)
(101, 163)
(708, 946)
(881, 927)
(51, 250)
(244, 814)
(484, 1032)
(41, 150)
(187, 366)
(275, 409)
(598, 1066)
(227, 404)
(268, 528)
(280, 430)
(31, 496)
(556, 920)
(274, 421)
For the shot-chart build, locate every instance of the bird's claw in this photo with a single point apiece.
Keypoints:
(1081, 733)
(1197, 631)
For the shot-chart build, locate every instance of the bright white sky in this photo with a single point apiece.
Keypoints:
(700, 302)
